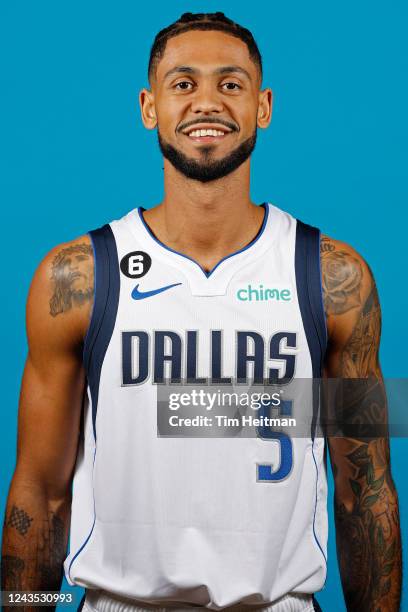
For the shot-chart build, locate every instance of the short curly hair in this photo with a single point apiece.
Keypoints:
(201, 21)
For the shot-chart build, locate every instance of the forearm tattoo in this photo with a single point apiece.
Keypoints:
(367, 533)
(19, 519)
(72, 278)
(12, 569)
(366, 502)
(33, 551)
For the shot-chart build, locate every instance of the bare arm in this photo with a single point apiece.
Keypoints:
(35, 531)
(365, 501)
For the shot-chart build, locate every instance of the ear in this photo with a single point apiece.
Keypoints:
(148, 109)
(264, 108)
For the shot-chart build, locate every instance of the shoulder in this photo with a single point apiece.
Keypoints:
(346, 276)
(348, 285)
(62, 289)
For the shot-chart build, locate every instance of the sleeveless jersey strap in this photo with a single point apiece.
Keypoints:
(310, 296)
(105, 307)
(310, 293)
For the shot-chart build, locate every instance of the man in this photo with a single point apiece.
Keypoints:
(204, 289)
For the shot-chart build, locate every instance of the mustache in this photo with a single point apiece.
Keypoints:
(232, 126)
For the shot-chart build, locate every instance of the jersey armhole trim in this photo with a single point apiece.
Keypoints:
(104, 311)
(310, 292)
(323, 309)
(309, 288)
(91, 324)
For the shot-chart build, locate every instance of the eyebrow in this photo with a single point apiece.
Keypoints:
(229, 69)
(222, 70)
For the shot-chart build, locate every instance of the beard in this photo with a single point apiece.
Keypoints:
(207, 169)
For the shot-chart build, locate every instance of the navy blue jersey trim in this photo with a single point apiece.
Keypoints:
(106, 299)
(309, 288)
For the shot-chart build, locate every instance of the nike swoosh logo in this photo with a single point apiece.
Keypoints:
(141, 295)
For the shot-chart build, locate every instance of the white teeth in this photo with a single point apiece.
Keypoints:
(198, 133)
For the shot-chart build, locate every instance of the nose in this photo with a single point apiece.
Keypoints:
(206, 100)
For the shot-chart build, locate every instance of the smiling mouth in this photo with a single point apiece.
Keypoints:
(196, 133)
(207, 133)
(207, 136)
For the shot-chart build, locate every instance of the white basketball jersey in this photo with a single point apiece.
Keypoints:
(184, 514)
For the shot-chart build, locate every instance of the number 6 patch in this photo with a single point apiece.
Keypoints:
(135, 264)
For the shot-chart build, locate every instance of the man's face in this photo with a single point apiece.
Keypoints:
(72, 276)
(206, 80)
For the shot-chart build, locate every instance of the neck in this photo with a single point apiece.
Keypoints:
(206, 221)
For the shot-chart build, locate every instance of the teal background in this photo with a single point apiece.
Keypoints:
(74, 154)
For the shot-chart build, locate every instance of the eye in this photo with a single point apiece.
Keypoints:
(231, 86)
(183, 85)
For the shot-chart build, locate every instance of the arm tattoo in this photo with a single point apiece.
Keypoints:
(341, 276)
(33, 559)
(366, 502)
(11, 571)
(368, 541)
(19, 520)
(51, 551)
(359, 356)
(72, 278)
